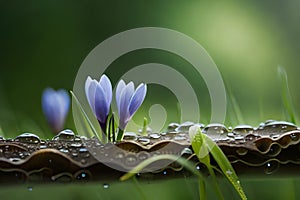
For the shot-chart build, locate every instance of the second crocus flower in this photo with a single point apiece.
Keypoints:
(128, 101)
(99, 95)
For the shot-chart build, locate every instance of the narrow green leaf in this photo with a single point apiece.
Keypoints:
(286, 95)
(201, 139)
(202, 152)
(86, 127)
(185, 163)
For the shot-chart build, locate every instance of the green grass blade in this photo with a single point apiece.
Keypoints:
(185, 163)
(285, 93)
(235, 107)
(86, 127)
(202, 152)
(224, 164)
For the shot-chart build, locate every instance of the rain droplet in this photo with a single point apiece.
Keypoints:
(294, 137)
(184, 127)
(271, 167)
(154, 136)
(179, 138)
(243, 129)
(215, 129)
(144, 141)
(64, 150)
(130, 160)
(28, 138)
(105, 186)
(229, 172)
(172, 126)
(65, 135)
(82, 176)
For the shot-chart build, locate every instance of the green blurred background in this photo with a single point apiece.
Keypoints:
(43, 43)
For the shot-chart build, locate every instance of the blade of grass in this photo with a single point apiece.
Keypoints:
(202, 152)
(199, 141)
(85, 123)
(286, 95)
(235, 107)
(185, 163)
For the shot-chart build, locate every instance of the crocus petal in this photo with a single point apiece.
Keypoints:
(90, 90)
(101, 104)
(123, 111)
(121, 85)
(106, 86)
(137, 98)
(55, 106)
(64, 101)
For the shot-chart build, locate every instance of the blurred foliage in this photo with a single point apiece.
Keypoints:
(43, 43)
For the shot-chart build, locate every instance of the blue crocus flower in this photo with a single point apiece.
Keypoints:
(128, 101)
(55, 105)
(99, 95)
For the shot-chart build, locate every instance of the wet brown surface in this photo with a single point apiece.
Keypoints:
(271, 148)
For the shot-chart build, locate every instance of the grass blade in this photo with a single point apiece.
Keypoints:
(201, 141)
(85, 124)
(286, 95)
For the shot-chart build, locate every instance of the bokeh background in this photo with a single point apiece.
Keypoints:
(43, 43)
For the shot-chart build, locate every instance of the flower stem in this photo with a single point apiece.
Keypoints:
(120, 135)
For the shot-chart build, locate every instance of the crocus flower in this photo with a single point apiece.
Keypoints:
(99, 95)
(128, 101)
(55, 105)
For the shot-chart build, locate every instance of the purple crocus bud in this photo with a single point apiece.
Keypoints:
(99, 96)
(55, 105)
(128, 101)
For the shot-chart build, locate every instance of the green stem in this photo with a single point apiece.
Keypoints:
(120, 135)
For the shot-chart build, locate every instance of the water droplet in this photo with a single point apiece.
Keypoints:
(172, 126)
(243, 129)
(154, 136)
(186, 151)
(271, 167)
(130, 160)
(144, 141)
(82, 176)
(105, 186)
(143, 155)
(184, 127)
(215, 131)
(28, 138)
(251, 137)
(229, 172)
(83, 150)
(179, 138)
(76, 144)
(230, 134)
(277, 127)
(129, 136)
(119, 155)
(294, 136)
(64, 150)
(65, 135)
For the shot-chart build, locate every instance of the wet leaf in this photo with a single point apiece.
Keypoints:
(202, 146)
